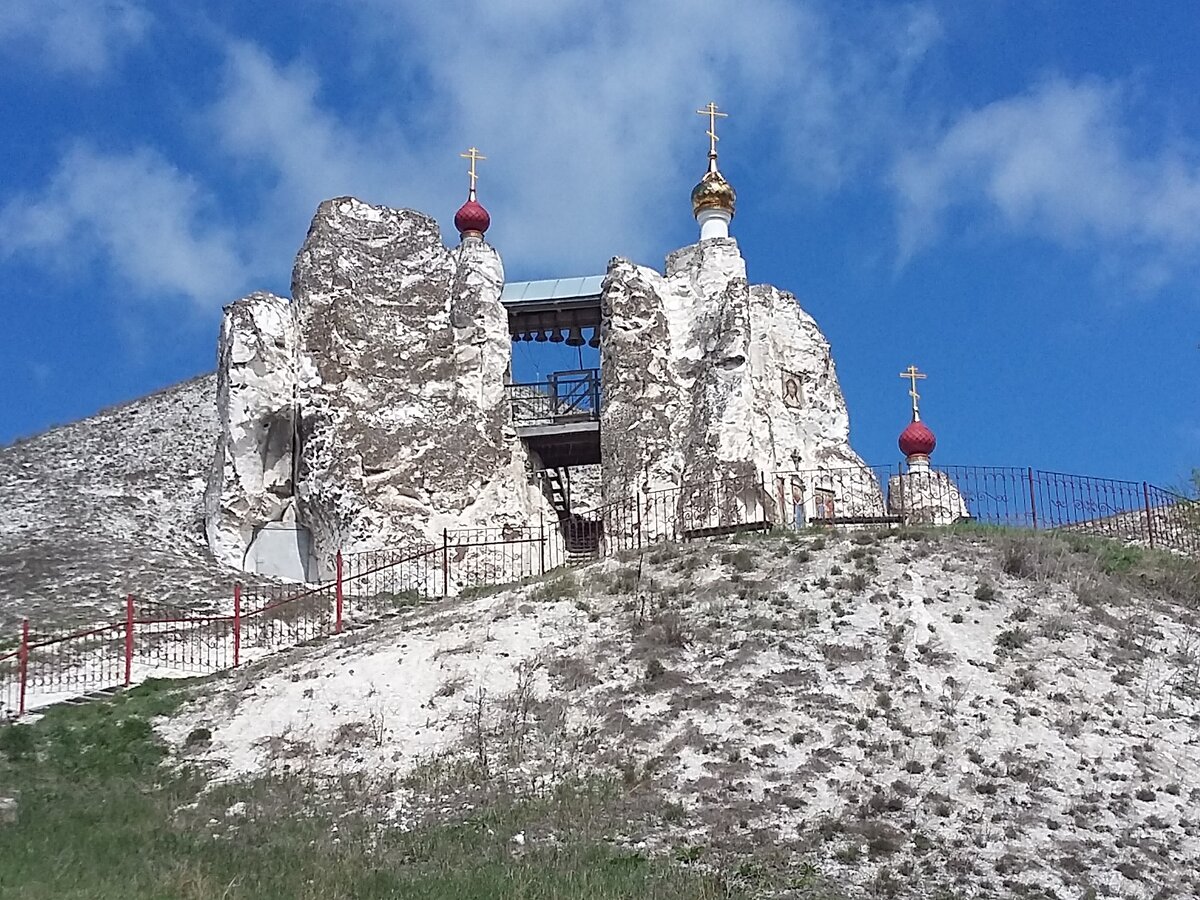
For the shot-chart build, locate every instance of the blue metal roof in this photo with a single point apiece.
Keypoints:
(552, 289)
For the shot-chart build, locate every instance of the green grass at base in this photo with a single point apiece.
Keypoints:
(100, 817)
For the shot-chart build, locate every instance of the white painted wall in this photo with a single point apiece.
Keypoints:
(282, 550)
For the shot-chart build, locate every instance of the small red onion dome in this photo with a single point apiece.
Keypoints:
(472, 218)
(917, 440)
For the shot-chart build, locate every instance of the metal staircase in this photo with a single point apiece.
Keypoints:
(581, 536)
(557, 491)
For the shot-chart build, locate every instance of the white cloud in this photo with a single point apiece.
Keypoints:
(152, 225)
(76, 36)
(586, 119)
(268, 115)
(1057, 161)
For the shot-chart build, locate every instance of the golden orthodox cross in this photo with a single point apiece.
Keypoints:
(474, 156)
(913, 375)
(713, 115)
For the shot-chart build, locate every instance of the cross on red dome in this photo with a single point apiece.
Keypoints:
(917, 439)
(472, 220)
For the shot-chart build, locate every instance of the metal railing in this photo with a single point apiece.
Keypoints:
(569, 396)
(149, 639)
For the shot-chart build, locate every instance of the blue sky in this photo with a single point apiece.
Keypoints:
(1007, 195)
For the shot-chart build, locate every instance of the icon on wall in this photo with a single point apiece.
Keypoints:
(793, 389)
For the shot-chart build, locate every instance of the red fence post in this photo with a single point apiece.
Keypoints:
(1032, 500)
(128, 639)
(23, 664)
(237, 623)
(445, 562)
(1149, 520)
(337, 628)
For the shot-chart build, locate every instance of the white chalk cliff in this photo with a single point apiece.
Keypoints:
(708, 377)
(250, 483)
(389, 369)
(370, 410)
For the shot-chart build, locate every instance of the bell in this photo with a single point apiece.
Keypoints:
(595, 339)
(575, 338)
(540, 337)
(556, 336)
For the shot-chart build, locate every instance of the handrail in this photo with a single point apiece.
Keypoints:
(571, 394)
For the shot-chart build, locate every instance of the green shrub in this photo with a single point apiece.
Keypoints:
(16, 742)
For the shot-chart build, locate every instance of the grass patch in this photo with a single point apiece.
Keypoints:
(562, 586)
(1110, 568)
(100, 817)
(476, 592)
(408, 597)
(625, 580)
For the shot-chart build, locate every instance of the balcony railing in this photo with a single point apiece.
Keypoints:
(563, 397)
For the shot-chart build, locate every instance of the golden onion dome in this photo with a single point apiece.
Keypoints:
(713, 192)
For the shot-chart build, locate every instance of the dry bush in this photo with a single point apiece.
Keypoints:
(1100, 592)
(561, 587)
(1056, 626)
(740, 560)
(1033, 557)
(1012, 638)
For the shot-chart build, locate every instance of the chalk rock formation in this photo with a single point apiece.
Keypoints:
(925, 496)
(707, 377)
(250, 483)
(403, 347)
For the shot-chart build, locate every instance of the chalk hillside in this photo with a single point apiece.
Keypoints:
(107, 505)
(905, 713)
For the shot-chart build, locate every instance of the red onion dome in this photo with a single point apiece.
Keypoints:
(472, 218)
(917, 440)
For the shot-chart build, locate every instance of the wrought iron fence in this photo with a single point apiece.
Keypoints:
(162, 637)
(374, 582)
(12, 682)
(1173, 521)
(840, 495)
(693, 510)
(152, 638)
(61, 663)
(1129, 511)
